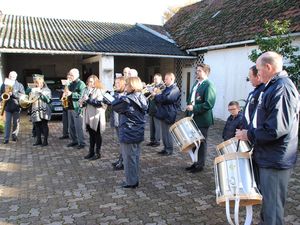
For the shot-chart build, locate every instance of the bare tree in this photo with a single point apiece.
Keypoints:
(171, 10)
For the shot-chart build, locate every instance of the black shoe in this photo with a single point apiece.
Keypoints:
(155, 144)
(95, 157)
(119, 167)
(115, 163)
(167, 153)
(88, 156)
(162, 152)
(150, 143)
(44, 144)
(5, 142)
(197, 169)
(72, 144)
(190, 167)
(14, 138)
(37, 143)
(64, 137)
(80, 146)
(130, 186)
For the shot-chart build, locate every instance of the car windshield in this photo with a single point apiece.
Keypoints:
(54, 84)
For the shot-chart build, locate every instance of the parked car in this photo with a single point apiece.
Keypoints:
(54, 84)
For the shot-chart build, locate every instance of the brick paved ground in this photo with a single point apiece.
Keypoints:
(55, 185)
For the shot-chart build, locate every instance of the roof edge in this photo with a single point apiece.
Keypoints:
(221, 46)
(146, 28)
(3, 50)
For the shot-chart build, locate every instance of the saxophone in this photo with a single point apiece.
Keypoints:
(5, 97)
(64, 98)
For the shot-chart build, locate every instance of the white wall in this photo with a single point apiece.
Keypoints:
(229, 69)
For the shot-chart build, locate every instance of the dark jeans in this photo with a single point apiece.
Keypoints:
(41, 127)
(65, 123)
(202, 152)
(95, 139)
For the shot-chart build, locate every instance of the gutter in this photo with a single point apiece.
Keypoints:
(56, 52)
(221, 46)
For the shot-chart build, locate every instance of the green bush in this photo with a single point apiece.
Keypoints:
(1, 126)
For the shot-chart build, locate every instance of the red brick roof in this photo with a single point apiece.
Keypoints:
(213, 22)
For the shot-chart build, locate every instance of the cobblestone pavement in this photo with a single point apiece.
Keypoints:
(55, 185)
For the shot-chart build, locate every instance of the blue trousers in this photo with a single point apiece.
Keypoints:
(166, 136)
(131, 161)
(14, 118)
(273, 187)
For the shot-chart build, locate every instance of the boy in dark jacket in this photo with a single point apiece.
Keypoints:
(234, 121)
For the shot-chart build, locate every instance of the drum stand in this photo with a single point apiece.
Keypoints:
(194, 155)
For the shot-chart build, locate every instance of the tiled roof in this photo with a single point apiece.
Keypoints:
(214, 22)
(46, 34)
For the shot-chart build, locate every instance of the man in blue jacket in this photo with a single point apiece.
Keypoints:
(12, 107)
(167, 106)
(274, 134)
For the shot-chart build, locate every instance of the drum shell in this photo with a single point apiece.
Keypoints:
(234, 178)
(231, 145)
(185, 133)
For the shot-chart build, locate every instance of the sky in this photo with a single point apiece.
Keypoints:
(115, 11)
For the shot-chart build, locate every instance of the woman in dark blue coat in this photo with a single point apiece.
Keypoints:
(132, 110)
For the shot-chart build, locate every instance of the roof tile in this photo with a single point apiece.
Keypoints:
(35, 33)
(196, 26)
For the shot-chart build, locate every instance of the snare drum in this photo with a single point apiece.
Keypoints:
(186, 133)
(235, 179)
(231, 145)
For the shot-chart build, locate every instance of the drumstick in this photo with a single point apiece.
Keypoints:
(238, 144)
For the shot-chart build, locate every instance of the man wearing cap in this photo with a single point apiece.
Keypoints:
(74, 93)
(12, 107)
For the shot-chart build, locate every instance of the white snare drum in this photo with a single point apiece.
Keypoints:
(232, 145)
(186, 133)
(234, 178)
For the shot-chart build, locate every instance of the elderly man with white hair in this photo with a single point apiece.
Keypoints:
(12, 108)
(76, 89)
(274, 134)
(133, 73)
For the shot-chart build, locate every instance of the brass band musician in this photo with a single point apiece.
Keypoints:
(65, 103)
(155, 133)
(9, 99)
(40, 109)
(74, 93)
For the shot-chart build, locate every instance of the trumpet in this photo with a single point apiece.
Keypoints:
(147, 88)
(157, 90)
(5, 97)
